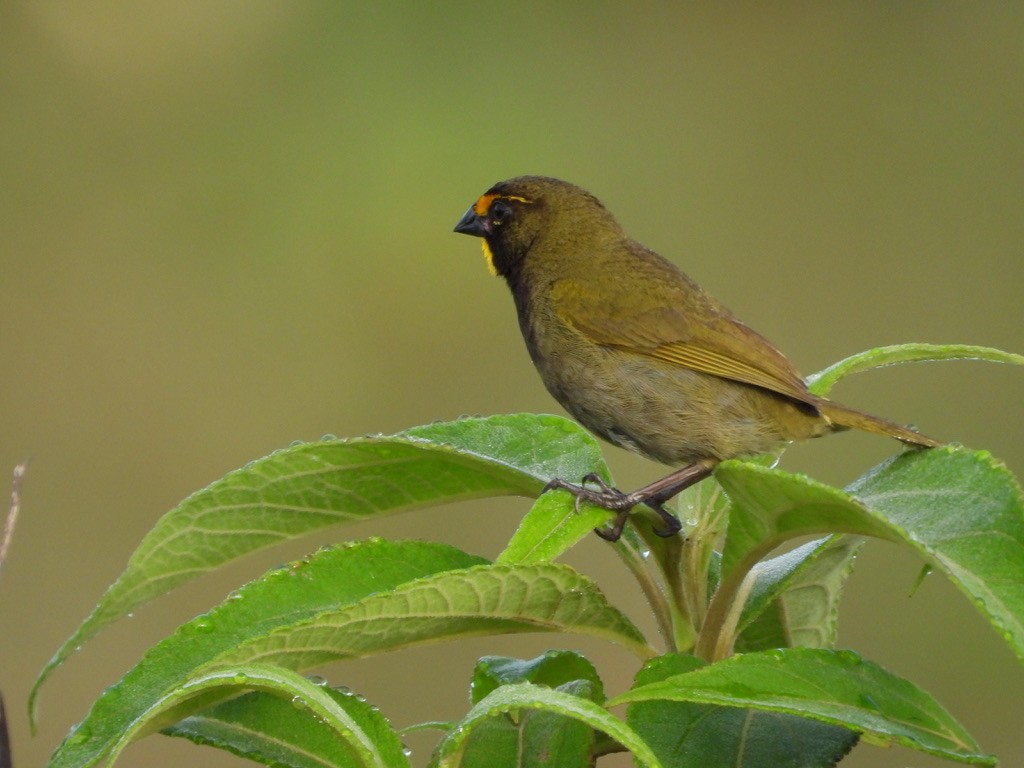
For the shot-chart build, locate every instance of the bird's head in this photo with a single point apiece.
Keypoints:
(514, 216)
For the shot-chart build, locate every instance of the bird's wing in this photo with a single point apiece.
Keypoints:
(658, 325)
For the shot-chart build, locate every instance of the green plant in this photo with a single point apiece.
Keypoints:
(746, 673)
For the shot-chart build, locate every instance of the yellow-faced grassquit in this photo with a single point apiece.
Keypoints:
(637, 351)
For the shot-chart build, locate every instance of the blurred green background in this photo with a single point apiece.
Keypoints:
(226, 226)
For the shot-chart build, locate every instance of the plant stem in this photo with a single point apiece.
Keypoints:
(714, 630)
(727, 635)
(660, 605)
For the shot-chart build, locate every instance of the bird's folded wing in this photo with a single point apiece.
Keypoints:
(656, 325)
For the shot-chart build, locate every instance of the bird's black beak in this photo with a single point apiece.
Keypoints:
(472, 224)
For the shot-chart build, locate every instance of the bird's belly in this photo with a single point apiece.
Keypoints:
(669, 413)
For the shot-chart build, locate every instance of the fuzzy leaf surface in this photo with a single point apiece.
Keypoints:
(513, 700)
(795, 599)
(477, 600)
(552, 526)
(537, 737)
(961, 510)
(770, 506)
(880, 357)
(276, 730)
(312, 486)
(283, 597)
(689, 735)
(964, 513)
(483, 600)
(835, 687)
(552, 669)
(325, 713)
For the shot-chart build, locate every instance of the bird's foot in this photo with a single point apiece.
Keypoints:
(614, 500)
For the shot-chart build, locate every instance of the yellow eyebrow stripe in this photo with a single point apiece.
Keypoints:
(484, 203)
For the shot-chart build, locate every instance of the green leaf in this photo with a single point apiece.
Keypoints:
(960, 510)
(326, 580)
(513, 700)
(551, 527)
(312, 486)
(770, 506)
(552, 669)
(536, 737)
(795, 599)
(533, 738)
(280, 731)
(342, 604)
(538, 445)
(687, 735)
(322, 711)
(483, 600)
(823, 381)
(835, 687)
(964, 513)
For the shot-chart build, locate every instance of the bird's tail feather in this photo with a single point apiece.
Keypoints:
(843, 417)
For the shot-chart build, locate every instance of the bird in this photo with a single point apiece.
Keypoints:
(637, 352)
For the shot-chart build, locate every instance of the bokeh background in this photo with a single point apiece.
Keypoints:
(226, 226)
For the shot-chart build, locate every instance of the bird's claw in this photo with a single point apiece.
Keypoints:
(614, 500)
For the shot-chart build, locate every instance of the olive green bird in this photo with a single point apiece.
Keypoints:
(637, 352)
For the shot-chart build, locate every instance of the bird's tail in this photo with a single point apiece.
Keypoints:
(843, 417)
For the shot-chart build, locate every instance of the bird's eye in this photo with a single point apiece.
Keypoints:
(500, 212)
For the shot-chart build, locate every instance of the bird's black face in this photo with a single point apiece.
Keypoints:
(498, 219)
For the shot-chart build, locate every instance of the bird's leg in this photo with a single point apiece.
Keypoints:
(653, 495)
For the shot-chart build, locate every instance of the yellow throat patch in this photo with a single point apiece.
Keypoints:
(489, 258)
